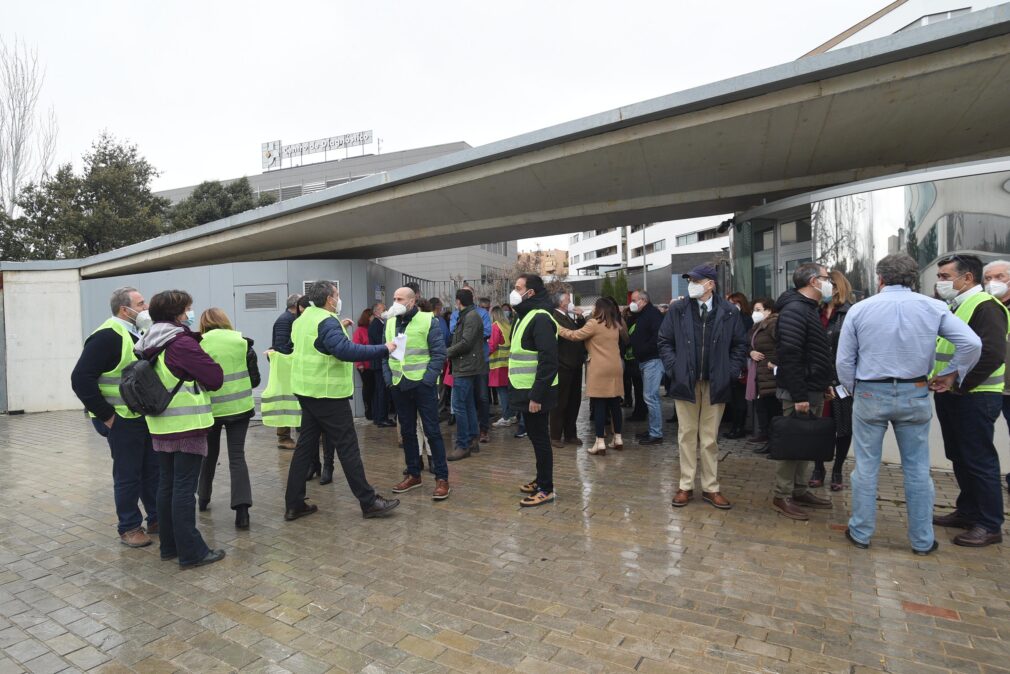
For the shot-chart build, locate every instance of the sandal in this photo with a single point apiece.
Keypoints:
(529, 488)
(836, 482)
(816, 478)
(540, 498)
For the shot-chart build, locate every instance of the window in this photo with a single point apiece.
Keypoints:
(489, 274)
(590, 255)
(601, 232)
(638, 228)
(603, 252)
(695, 237)
(651, 248)
(575, 259)
(794, 232)
(574, 238)
(588, 234)
(500, 248)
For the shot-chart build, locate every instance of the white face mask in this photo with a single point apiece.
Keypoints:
(634, 308)
(397, 309)
(143, 321)
(757, 316)
(997, 289)
(571, 308)
(827, 290)
(515, 298)
(695, 290)
(945, 289)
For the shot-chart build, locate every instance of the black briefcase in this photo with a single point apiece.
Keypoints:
(802, 437)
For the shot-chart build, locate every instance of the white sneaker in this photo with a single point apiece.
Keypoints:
(501, 423)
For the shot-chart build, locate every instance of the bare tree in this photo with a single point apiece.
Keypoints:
(27, 136)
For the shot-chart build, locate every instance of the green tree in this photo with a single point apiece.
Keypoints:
(621, 287)
(108, 206)
(607, 289)
(213, 200)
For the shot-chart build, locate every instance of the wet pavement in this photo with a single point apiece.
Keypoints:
(609, 578)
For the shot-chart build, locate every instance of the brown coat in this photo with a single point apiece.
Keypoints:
(763, 336)
(606, 371)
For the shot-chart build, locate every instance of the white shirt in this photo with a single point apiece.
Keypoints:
(707, 304)
(128, 325)
(956, 302)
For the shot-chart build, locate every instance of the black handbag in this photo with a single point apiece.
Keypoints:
(802, 437)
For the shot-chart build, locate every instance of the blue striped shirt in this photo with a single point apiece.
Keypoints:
(893, 334)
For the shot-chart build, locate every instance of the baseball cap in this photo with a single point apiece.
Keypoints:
(706, 271)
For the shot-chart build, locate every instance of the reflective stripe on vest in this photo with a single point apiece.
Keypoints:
(189, 409)
(629, 353)
(994, 383)
(108, 382)
(522, 362)
(228, 349)
(278, 406)
(500, 357)
(416, 356)
(315, 374)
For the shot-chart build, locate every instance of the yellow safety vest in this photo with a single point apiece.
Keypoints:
(228, 349)
(629, 353)
(108, 382)
(994, 383)
(315, 374)
(190, 407)
(279, 407)
(416, 359)
(500, 357)
(522, 362)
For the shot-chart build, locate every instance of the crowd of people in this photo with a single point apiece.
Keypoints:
(812, 351)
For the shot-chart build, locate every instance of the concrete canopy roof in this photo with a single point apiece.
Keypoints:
(933, 95)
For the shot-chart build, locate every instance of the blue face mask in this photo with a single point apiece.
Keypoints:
(190, 319)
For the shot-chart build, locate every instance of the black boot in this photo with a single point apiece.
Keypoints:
(327, 475)
(315, 469)
(203, 505)
(242, 517)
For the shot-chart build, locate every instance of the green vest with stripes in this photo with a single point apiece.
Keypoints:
(994, 383)
(500, 357)
(108, 382)
(629, 353)
(190, 407)
(228, 349)
(315, 374)
(522, 362)
(416, 359)
(279, 407)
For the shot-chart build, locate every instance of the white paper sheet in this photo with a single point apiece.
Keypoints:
(400, 351)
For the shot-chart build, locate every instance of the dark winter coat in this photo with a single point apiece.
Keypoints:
(466, 352)
(804, 353)
(571, 355)
(725, 343)
(540, 336)
(645, 338)
(763, 337)
(281, 342)
(834, 330)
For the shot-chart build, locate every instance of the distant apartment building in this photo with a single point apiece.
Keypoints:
(552, 262)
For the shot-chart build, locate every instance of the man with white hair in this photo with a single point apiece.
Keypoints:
(996, 276)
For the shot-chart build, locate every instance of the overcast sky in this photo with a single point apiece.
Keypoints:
(197, 86)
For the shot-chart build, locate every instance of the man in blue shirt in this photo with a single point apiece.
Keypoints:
(885, 352)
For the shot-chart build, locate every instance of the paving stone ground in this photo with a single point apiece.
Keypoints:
(608, 579)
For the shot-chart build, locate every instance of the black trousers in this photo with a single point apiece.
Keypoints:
(602, 407)
(562, 417)
(241, 489)
(736, 411)
(766, 407)
(332, 416)
(536, 429)
(367, 391)
(633, 374)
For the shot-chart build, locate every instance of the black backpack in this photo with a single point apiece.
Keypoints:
(142, 391)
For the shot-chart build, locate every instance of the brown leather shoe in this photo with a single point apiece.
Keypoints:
(286, 443)
(558, 444)
(441, 490)
(977, 537)
(789, 509)
(152, 528)
(135, 538)
(408, 483)
(954, 520)
(811, 501)
(716, 500)
(682, 497)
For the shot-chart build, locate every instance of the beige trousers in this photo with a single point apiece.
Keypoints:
(697, 436)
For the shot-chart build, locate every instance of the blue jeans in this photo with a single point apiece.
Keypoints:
(482, 399)
(907, 408)
(134, 470)
(420, 400)
(465, 410)
(652, 375)
(503, 401)
(180, 473)
(967, 423)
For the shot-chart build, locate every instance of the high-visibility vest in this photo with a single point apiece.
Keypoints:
(522, 362)
(500, 357)
(108, 382)
(416, 358)
(629, 353)
(279, 407)
(315, 374)
(228, 349)
(945, 350)
(189, 409)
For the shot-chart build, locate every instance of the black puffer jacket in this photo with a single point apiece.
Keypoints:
(804, 354)
(834, 330)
